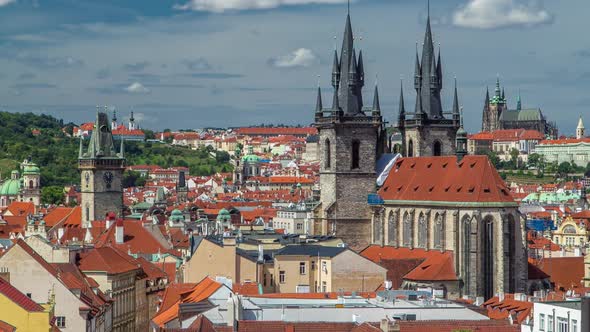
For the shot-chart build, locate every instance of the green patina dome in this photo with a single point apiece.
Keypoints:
(10, 188)
(176, 215)
(223, 215)
(176, 212)
(31, 169)
(251, 158)
(461, 132)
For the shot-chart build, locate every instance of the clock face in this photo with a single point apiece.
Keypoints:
(108, 178)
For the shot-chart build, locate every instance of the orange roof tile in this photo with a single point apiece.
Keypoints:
(566, 272)
(21, 208)
(474, 179)
(107, 259)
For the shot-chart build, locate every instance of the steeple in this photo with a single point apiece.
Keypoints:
(487, 100)
(461, 140)
(402, 107)
(318, 104)
(376, 106)
(456, 103)
(503, 94)
(335, 102)
(518, 102)
(349, 88)
(81, 151)
(497, 91)
(428, 82)
(361, 69)
(335, 71)
(439, 70)
(580, 129)
(114, 122)
(101, 140)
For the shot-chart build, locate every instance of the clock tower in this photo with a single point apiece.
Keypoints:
(101, 169)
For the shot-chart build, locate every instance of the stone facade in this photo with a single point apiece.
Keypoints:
(351, 140)
(485, 266)
(426, 131)
(101, 170)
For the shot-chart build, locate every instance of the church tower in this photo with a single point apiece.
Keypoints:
(427, 132)
(352, 139)
(101, 169)
(580, 129)
(31, 183)
(494, 107)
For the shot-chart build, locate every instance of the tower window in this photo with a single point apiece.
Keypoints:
(437, 150)
(327, 154)
(410, 148)
(31, 184)
(356, 145)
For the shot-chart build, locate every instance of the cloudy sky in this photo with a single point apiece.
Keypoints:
(195, 63)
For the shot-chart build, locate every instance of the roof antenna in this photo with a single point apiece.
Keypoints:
(349, 7)
(318, 81)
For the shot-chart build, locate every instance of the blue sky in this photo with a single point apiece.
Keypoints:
(195, 63)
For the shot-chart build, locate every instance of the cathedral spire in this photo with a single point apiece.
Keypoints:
(503, 94)
(461, 140)
(361, 69)
(518, 102)
(81, 151)
(376, 106)
(456, 103)
(402, 107)
(318, 104)
(487, 100)
(439, 69)
(497, 91)
(417, 71)
(335, 102)
(335, 71)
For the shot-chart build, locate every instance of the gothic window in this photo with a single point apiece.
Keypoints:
(466, 255)
(410, 148)
(422, 231)
(438, 231)
(488, 256)
(356, 145)
(87, 213)
(407, 230)
(327, 154)
(30, 184)
(377, 227)
(509, 249)
(437, 151)
(392, 230)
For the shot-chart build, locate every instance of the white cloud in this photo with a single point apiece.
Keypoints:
(489, 14)
(137, 87)
(219, 6)
(301, 57)
(6, 2)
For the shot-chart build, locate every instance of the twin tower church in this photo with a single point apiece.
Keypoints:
(435, 198)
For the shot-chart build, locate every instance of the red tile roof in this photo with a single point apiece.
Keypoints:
(137, 239)
(435, 265)
(565, 141)
(5, 327)
(275, 131)
(278, 326)
(21, 208)
(17, 297)
(458, 325)
(56, 215)
(474, 179)
(107, 259)
(565, 272)
(508, 306)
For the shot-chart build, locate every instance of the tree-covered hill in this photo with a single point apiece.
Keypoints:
(40, 137)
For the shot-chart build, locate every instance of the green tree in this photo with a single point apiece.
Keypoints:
(132, 179)
(564, 169)
(514, 157)
(534, 160)
(221, 156)
(52, 195)
(493, 156)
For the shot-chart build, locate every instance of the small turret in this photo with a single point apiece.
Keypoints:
(461, 141)
(456, 112)
(335, 71)
(352, 73)
(580, 130)
(402, 108)
(361, 70)
(376, 105)
(518, 102)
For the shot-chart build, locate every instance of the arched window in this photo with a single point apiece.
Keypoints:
(392, 230)
(569, 229)
(87, 213)
(438, 231)
(488, 257)
(437, 150)
(422, 231)
(410, 148)
(407, 230)
(30, 184)
(466, 255)
(327, 154)
(356, 145)
(377, 228)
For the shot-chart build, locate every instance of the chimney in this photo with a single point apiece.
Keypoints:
(60, 233)
(119, 232)
(110, 219)
(4, 274)
(260, 253)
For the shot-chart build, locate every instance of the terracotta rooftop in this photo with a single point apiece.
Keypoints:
(473, 179)
(107, 259)
(566, 272)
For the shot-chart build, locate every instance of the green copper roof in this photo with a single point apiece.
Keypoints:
(251, 158)
(176, 212)
(10, 187)
(31, 169)
(531, 114)
(223, 215)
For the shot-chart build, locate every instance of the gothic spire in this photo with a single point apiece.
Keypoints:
(402, 107)
(335, 101)
(455, 103)
(487, 101)
(518, 102)
(349, 87)
(376, 106)
(503, 94)
(417, 71)
(439, 69)
(497, 91)
(335, 71)
(361, 69)
(318, 104)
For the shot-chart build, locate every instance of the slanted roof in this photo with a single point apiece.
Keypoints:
(530, 114)
(18, 298)
(310, 250)
(565, 272)
(107, 259)
(442, 179)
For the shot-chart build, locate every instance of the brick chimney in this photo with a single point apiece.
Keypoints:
(4, 274)
(119, 231)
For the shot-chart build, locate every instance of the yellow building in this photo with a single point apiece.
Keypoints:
(19, 311)
(571, 233)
